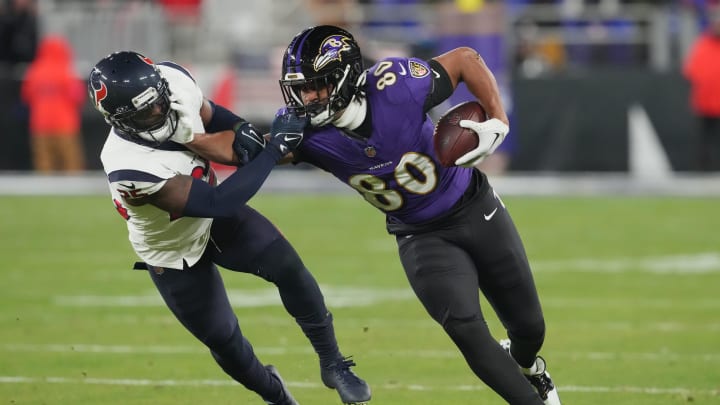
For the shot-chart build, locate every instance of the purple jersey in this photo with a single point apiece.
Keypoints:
(396, 169)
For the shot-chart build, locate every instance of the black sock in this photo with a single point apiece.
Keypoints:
(322, 337)
(237, 358)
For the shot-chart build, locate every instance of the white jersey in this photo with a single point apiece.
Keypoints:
(135, 170)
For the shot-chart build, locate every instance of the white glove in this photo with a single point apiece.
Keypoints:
(184, 132)
(491, 134)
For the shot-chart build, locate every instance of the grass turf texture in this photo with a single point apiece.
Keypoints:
(629, 287)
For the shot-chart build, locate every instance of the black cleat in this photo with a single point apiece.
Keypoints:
(352, 389)
(286, 398)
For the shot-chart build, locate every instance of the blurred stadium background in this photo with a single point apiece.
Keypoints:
(593, 87)
(619, 226)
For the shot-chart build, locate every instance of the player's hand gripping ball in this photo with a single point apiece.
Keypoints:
(451, 141)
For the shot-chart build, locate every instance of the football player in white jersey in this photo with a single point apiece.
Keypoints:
(183, 225)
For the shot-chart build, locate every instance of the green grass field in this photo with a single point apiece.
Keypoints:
(629, 287)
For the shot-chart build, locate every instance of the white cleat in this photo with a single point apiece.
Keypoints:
(539, 378)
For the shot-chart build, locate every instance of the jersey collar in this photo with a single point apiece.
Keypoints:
(166, 145)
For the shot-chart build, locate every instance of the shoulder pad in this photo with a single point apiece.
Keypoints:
(175, 66)
(401, 80)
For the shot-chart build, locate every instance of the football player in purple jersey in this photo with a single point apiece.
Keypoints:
(183, 225)
(371, 129)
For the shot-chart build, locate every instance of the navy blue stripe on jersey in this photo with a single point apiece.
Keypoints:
(133, 175)
(167, 145)
(175, 66)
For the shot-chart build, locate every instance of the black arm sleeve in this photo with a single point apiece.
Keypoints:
(222, 119)
(206, 201)
(442, 86)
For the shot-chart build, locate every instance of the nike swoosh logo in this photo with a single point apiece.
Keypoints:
(292, 138)
(490, 215)
(131, 186)
(254, 136)
(403, 72)
(283, 149)
(437, 75)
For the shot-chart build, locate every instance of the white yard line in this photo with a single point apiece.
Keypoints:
(294, 350)
(336, 296)
(254, 320)
(341, 296)
(697, 263)
(293, 384)
(359, 296)
(269, 298)
(317, 181)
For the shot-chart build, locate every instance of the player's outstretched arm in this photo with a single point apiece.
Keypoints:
(229, 139)
(192, 197)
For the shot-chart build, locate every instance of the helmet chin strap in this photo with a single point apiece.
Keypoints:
(161, 134)
(353, 115)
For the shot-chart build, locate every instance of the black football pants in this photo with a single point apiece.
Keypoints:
(479, 249)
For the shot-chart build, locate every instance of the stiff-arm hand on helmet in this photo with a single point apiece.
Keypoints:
(491, 134)
(183, 132)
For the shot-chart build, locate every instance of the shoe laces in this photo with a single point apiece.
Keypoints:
(543, 384)
(541, 381)
(342, 366)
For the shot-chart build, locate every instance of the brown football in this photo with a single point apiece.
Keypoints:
(450, 139)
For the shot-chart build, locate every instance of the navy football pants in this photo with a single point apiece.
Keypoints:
(197, 296)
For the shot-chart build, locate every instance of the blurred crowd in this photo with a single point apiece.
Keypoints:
(518, 38)
(548, 34)
(18, 30)
(572, 34)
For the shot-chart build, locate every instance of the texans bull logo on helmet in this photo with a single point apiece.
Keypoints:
(99, 91)
(130, 91)
(99, 94)
(331, 49)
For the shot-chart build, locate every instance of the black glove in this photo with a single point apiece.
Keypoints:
(248, 142)
(286, 132)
